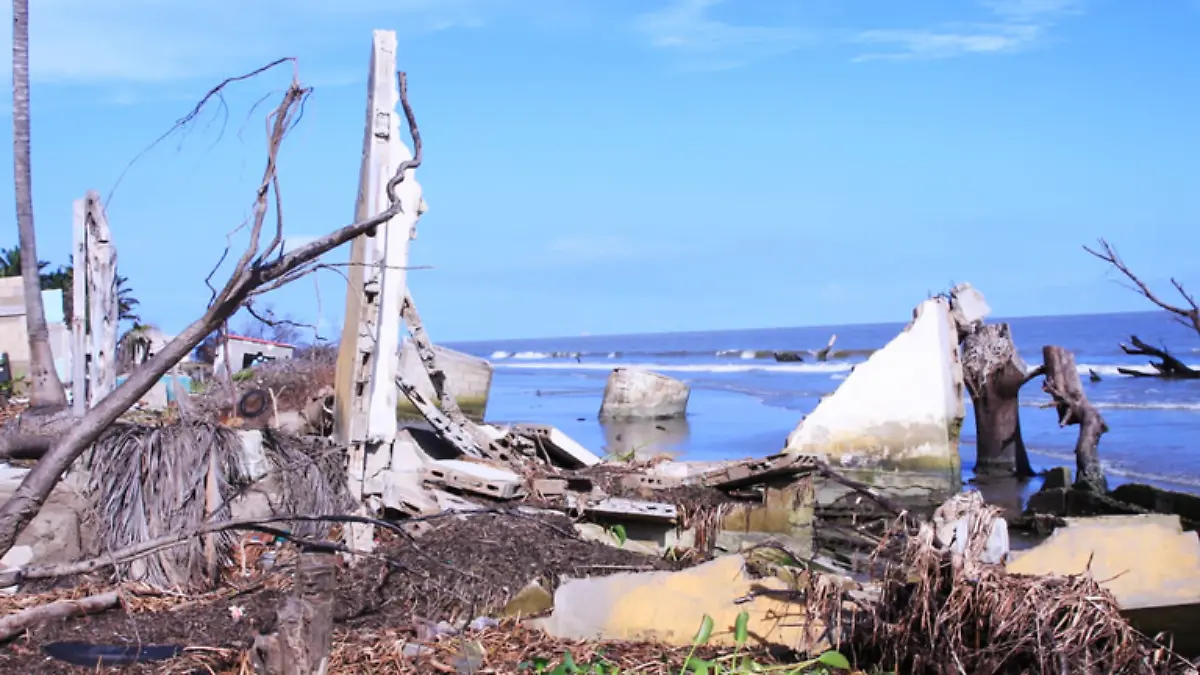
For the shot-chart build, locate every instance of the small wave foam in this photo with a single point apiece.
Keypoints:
(688, 367)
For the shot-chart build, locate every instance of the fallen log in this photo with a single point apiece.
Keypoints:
(1167, 367)
(1064, 386)
(994, 374)
(15, 624)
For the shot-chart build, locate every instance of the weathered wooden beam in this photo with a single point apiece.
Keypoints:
(301, 642)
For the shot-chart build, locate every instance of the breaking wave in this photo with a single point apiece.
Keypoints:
(782, 355)
(687, 367)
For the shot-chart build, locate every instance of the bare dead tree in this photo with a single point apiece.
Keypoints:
(1189, 316)
(994, 374)
(1064, 386)
(1167, 366)
(258, 270)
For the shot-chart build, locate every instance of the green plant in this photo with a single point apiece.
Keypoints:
(618, 533)
(243, 375)
(9, 389)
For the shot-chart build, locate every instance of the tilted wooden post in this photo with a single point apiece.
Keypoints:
(301, 642)
(102, 301)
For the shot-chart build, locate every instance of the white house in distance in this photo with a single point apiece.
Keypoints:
(245, 351)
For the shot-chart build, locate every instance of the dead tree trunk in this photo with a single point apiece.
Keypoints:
(304, 623)
(994, 373)
(1167, 367)
(1064, 386)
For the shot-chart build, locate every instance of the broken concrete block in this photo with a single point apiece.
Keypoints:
(1149, 564)
(529, 601)
(607, 536)
(670, 606)
(402, 491)
(468, 378)
(549, 487)
(482, 479)
(900, 411)
(646, 439)
(755, 471)
(634, 393)
(627, 509)
(642, 481)
(682, 471)
(968, 306)
(1058, 477)
(785, 516)
(952, 522)
(16, 558)
(561, 447)
(452, 502)
(253, 456)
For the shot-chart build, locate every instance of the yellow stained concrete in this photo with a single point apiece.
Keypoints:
(670, 606)
(1144, 561)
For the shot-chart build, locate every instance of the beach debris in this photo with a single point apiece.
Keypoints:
(1167, 367)
(823, 353)
(467, 378)
(971, 530)
(637, 393)
(897, 416)
(773, 468)
(474, 477)
(669, 606)
(785, 516)
(1149, 564)
(561, 448)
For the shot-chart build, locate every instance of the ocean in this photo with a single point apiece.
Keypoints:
(744, 402)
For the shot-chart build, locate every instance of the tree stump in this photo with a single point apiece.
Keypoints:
(304, 623)
(1064, 386)
(994, 373)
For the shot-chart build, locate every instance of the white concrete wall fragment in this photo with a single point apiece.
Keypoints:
(467, 377)
(902, 409)
(635, 393)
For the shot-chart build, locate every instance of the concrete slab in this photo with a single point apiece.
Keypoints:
(474, 477)
(1149, 564)
(670, 606)
(901, 410)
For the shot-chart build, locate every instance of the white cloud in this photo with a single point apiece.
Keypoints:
(688, 28)
(1015, 25)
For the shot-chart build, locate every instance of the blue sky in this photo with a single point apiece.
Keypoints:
(619, 166)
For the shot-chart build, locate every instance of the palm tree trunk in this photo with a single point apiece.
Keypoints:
(46, 390)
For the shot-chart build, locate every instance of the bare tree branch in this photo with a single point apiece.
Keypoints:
(1189, 316)
(248, 274)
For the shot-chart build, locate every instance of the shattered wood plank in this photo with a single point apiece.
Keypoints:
(754, 471)
(102, 301)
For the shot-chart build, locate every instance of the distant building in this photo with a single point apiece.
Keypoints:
(14, 340)
(245, 352)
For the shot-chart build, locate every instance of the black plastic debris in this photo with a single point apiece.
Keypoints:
(92, 655)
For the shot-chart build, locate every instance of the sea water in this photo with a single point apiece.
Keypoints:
(744, 402)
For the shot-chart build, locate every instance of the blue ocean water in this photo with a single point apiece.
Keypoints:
(744, 402)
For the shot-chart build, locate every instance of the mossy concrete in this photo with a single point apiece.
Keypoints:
(785, 516)
(474, 407)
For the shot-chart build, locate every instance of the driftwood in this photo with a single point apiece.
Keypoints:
(1167, 366)
(1064, 386)
(304, 622)
(994, 374)
(14, 624)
